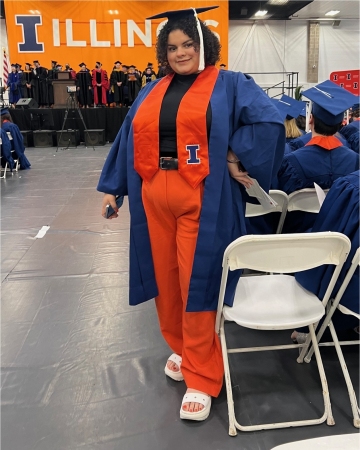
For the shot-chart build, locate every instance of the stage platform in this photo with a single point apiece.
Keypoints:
(109, 119)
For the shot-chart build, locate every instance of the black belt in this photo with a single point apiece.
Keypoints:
(166, 163)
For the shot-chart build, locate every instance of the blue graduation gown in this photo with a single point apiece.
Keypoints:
(14, 84)
(6, 149)
(17, 144)
(255, 132)
(301, 141)
(309, 164)
(351, 134)
(339, 212)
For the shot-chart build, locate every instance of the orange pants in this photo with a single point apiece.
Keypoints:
(173, 212)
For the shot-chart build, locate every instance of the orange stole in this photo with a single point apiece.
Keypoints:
(325, 142)
(191, 129)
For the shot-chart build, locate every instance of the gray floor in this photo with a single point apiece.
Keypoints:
(83, 370)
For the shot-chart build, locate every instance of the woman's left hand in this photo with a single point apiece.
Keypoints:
(241, 177)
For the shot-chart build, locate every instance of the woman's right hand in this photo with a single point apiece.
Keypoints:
(109, 199)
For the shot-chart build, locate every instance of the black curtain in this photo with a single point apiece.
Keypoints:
(109, 119)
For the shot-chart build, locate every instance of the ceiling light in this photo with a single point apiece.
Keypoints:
(261, 13)
(332, 13)
(277, 2)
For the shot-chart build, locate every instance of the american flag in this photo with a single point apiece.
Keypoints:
(5, 67)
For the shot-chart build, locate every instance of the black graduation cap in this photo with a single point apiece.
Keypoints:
(53, 62)
(82, 64)
(222, 65)
(36, 61)
(117, 62)
(178, 14)
(18, 65)
(27, 64)
(97, 62)
(126, 67)
(149, 64)
(13, 65)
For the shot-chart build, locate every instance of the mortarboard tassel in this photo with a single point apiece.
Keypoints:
(202, 56)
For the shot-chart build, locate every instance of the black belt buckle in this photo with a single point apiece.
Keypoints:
(166, 163)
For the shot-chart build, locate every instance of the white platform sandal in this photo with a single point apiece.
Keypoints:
(196, 397)
(177, 376)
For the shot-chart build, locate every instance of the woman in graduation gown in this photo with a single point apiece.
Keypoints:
(176, 157)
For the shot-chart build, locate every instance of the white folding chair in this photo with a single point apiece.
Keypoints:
(331, 308)
(277, 302)
(3, 169)
(304, 200)
(339, 442)
(281, 199)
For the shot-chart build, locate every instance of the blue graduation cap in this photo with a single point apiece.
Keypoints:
(329, 102)
(303, 111)
(4, 111)
(175, 15)
(288, 107)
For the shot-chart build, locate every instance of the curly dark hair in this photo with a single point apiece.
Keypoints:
(187, 25)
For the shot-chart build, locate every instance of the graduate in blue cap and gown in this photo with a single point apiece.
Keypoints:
(339, 212)
(6, 150)
(17, 142)
(301, 141)
(351, 131)
(14, 85)
(176, 158)
(290, 109)
(323, 159)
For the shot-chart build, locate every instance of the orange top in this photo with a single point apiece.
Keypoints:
(191, 129)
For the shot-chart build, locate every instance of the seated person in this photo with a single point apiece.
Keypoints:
(301, 141)
(301, 119)
(351, 132)
(289, 109)
(17, 139)
(339, 212)
(323, 159)
(6, 150)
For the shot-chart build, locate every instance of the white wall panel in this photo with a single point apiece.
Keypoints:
(339, 48)
(277, 46)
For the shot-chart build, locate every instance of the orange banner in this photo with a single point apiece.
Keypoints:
(78, 31)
